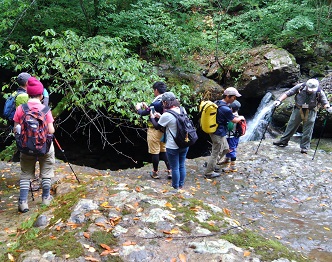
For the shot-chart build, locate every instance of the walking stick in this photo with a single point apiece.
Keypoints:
(321, 134)
(63, 151)
(274, 109)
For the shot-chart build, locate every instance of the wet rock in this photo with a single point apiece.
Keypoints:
(140, 256)
(31, 256)
(83, 206)
(218, 246)
(41, 221)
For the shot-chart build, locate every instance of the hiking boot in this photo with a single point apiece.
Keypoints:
(23, 206)
(47, 200)
(225, 161)
(154, 175)
(304, 151)
(281, 144)
(212, 175)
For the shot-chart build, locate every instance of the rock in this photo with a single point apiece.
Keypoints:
(41, 221)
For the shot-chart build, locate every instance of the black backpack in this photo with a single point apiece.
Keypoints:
(186, 132)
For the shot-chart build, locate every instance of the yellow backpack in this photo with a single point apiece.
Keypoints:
(208, 116)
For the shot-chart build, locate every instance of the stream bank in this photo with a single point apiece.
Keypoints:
(278, 193)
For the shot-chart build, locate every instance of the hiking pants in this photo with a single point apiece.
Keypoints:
(155, 145)
(177, 161)
(219, 148)
(294, 122)
(46, 165)
(233, 143)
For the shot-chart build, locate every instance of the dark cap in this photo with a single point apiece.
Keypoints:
(236, 105)
(22, 78)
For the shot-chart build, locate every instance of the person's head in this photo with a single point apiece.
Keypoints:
(235, 106)
(22, 79)
(230, 94)
(34, 87)
(169, 100)
(159, 88)
(312, 85)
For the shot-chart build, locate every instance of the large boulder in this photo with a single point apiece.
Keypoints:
(265, 68)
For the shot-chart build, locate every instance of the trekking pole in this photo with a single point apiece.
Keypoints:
(63, 151)
(274, 109)
(321, 134)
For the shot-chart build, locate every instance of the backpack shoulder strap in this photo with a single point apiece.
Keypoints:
(172, 112)
(45, 110)
(25, 108)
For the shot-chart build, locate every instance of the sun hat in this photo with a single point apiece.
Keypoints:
(231, 91)
(34, 87)
(22, 78)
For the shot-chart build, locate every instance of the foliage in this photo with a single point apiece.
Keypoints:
(7, 154)
(96, 76)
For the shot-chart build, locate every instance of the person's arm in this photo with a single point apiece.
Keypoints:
(154, 122)
(51, 128)
(46, 97)
(142, 109)
(238, 119)
(280, 99)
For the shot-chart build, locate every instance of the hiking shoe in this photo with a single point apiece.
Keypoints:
(23, 206)
(225, 161)
(154, 175)
(169, 174)
(231, 168)
(281, 144)
(304, 151)
(212, 175)
(47, 200)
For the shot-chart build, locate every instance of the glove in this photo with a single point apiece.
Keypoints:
(329, 109)
(277, 103)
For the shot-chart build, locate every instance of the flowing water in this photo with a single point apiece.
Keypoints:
(258, 124)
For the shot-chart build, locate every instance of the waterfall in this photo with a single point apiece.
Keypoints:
(257, 125)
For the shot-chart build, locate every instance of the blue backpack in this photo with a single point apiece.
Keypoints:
(10, 105)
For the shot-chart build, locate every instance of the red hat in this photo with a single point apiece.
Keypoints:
(34, 87)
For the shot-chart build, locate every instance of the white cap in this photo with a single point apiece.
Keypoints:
(231, 91)
(312, 85)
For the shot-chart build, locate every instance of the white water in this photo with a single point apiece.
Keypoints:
(258, 124)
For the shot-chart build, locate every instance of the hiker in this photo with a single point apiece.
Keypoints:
(23, 97)
(232, 140)
(16, 98)
(307, 98)
(219, 142)
(20, 97)
(156, 145)
(28, 162)
(167, 123)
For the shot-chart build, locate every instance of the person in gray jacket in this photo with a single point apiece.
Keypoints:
(307, 98)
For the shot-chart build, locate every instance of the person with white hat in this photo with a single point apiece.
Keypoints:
(308, 96)
(220, 146)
